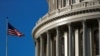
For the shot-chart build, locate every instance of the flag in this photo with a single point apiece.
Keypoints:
(14, 31)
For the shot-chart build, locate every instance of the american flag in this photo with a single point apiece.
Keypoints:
(14, 31)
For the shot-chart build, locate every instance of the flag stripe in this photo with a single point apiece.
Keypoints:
(13, 31)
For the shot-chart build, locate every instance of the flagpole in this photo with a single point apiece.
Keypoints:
(7, 36)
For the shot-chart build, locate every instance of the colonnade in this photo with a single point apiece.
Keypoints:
(71, 38)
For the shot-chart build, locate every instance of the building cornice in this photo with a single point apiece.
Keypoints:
(91, 8)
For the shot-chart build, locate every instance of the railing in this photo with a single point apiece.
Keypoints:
(69, 8)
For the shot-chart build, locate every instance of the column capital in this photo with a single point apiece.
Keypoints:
(47, 32)
(36, 40)
(83, 21)
(57, 28)
(69, 25)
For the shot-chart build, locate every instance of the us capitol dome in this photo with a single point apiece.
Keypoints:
(70, 28)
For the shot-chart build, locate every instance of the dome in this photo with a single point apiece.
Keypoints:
(70, 28)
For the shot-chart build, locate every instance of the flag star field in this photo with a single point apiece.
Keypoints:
(23, 15)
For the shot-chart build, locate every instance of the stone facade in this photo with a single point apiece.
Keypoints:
(70, 28)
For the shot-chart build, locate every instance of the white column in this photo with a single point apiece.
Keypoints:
(52, 5)
(88, 41)
(70, 40)
(91, 42)
(59, 3)
(62, 3)
(58, 42)
(66, 43)
(77, 42)
(68, 2)
(37, 49)
(84, 39)
(48, 44)
(56, 4)
(52, 47)
(99, 35)
(49, 5)
(41, 46)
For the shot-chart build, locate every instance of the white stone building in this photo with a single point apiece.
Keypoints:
(70, 28)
